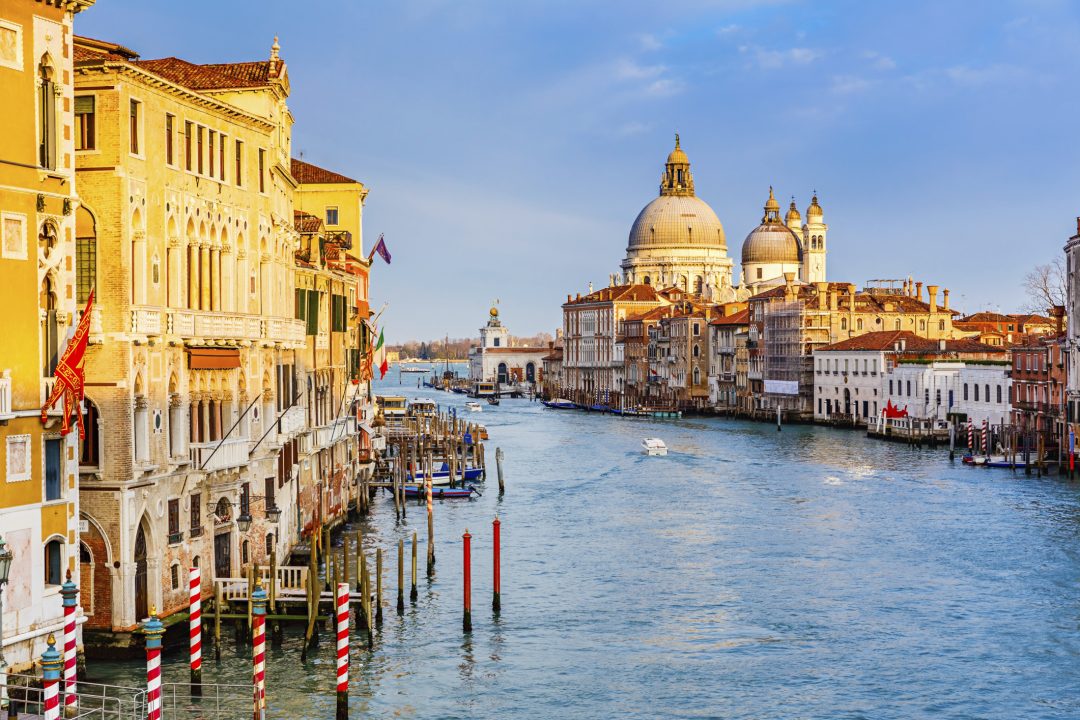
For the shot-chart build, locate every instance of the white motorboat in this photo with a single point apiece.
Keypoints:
(654, 446)
(473, 406)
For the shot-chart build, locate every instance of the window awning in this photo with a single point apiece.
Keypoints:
(213, 358)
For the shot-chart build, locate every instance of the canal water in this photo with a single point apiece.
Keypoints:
(808, 573)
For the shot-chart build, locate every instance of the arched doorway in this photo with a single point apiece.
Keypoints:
(142, 609)
(530, 372)
(223, 539)
(504, 376)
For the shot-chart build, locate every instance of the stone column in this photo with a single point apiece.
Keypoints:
(193, 276)
(204, 276)
(174, 275)
(228, 279)
(266, 291)
(215, 278)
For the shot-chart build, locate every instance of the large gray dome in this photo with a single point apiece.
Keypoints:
(771, 242)
(677, 220)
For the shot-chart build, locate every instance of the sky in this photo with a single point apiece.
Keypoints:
(508, 146)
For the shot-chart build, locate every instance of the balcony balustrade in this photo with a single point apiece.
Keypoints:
(231, 454)
(189, 324)
(294, 420)
(145, 322)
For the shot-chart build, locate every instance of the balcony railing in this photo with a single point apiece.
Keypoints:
(145, 322)
(232, 453)
(232, 326)
(292, 421)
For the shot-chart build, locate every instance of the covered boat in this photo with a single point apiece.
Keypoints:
(559, 404)
(654, 446)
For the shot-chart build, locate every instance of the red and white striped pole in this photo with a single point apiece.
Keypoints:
(51, 663)
(342, 613)
(984, 433)
(466, 622)
(195, 628)
(971, 436)
(68, 591)
(258, 656)
(153, 630)
(496, 598)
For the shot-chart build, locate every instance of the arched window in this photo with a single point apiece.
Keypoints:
(50, 342)
(195, 561)
(843, 323)
(85, 254)
(244, 554)
(54, 562)
(965, 391)
(647, 280)
(697, 375)
(46, 114)
(269, 544)
(896, 325)
(697, 351)
(987, 392)
(976, 385)
(90, 448)
(999, 393)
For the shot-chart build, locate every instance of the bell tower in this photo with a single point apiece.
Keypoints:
(493, 334)
(814, 247)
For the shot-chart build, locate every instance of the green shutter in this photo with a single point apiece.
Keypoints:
(313, 313)
(301, 303)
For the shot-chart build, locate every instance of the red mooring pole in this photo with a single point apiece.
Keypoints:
(466, 624)
(496, 603)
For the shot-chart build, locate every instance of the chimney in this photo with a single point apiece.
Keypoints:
(569, 297)
(918, 291)
(945, 298)
(590, 287)
(851, 296)
(833, 299)
(822, 294)
(1078, 226)
(578, 296)
(932, 290)
(1058, 313)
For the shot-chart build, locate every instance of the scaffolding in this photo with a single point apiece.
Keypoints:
(788, 369)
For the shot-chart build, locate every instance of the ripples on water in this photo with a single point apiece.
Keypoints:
(810, 573)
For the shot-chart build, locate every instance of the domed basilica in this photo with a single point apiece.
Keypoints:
(677, 240)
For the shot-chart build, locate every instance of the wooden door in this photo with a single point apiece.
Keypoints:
(142, 610)
(222, 555)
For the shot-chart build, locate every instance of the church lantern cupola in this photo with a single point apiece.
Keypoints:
(677, 179)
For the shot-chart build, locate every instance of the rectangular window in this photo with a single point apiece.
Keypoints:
(331, 216)
(269, 488)
(238, 171)
(187, 146)
(965, 391)
(199, 147)
(313, 312)
(245, 499)
(54, 561)
(133, 126)
(301, 304)
(84, 122)
(337, 309)
(170, 123)
(85, 266)
(54, 469)
(262, 170)
(195, 512)
(221, 158)
(174, 521)
(211, 138)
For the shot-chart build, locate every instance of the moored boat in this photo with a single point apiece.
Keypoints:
(440, 493)
(559, 404)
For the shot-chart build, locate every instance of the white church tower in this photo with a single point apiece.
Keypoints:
(814, 248)
(494, 335)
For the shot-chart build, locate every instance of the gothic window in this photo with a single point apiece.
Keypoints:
(85, 135)
(54, 560)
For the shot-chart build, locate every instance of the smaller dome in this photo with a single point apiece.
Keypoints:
(771, 243)
(814, 211)
(792, 214)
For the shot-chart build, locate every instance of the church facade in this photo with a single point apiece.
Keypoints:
(496, 359)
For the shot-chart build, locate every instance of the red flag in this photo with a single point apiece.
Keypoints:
(383, 368)
(69, 376)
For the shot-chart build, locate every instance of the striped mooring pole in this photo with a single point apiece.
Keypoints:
(153, 630)
(68, 592)
(51, 663)
(496, 600)
(195, 628)
(342, 605)
(258, 649)
(466, 621)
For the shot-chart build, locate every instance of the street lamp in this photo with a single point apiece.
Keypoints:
(5, 570)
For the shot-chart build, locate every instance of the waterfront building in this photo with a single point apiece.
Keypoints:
(186, 229)
(992, 328)
(946, 380)
(728, 334)
(682, 347)
(331, 278)
(1072, 335)
(793, 320)
(592, 358)
(39, 494)
(1038, 386)
(641, 379)
(497, 359)
(552, 382)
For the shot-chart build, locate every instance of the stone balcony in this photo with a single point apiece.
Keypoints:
(212, 326)
(230, 454)
(293, 421)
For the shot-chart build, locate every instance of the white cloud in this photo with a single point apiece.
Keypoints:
(850, 84)
(879, 61)
(728, 30)
(776, 59)
(978, 76)
(626, 69)
(649, 42)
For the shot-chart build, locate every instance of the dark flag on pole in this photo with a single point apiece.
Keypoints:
(380, 247)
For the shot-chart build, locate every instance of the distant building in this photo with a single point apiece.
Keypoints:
(495, 359)
(727, 335)
(1038, 386)
(994, 328)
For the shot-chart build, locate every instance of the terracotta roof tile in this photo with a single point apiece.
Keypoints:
(205, 77)
(740, 318)
(887, 339)
(92, 50)
(306, 222)
(305, 172)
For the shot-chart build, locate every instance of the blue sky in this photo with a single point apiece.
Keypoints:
(508, 146)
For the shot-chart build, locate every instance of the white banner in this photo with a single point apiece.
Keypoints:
(782, 387)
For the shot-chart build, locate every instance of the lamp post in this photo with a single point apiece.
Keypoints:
(5, 570)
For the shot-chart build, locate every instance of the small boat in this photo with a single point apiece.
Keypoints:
(654, 446)
(481, 432)
(459, 390)
(473, 406)
(599, 407)
(423, 408)
(559, 404)
(440, 493)
(493, 400)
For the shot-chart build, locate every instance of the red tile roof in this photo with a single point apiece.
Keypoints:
(90, 50)
(621, 293)
(305, 172)
(986, 316)
(887, 339)
(740, 318)
(206, 77)
(306, 222)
